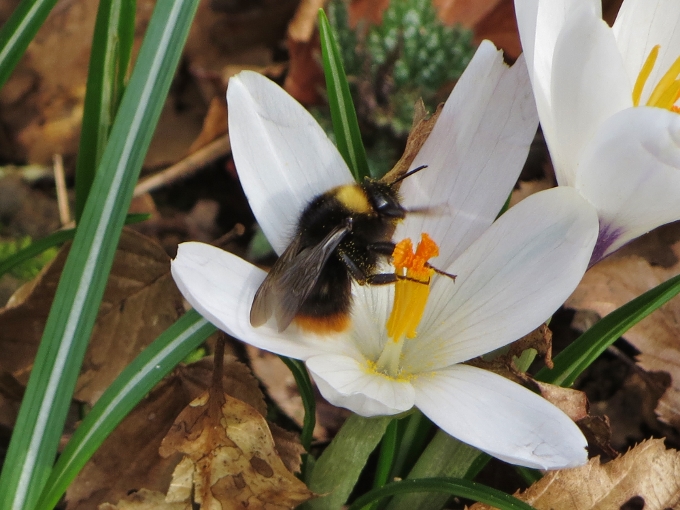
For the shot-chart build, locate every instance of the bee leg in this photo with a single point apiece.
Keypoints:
(382, 279)
(353, 269)
(382, 248)
(443, 273)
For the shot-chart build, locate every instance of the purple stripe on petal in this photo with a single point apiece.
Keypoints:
(605, 239)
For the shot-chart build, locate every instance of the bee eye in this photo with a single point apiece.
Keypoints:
(389, 207)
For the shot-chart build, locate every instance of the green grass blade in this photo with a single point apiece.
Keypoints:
(444, 456)
(388, 447)
(111, 45)
(306, 390)
(42, 415)
(129, 388)
(54, 239)
(529, 475)
(416, 431)
(449, 487)
(573, 360)
(337, 470)
(343, 114)
(19, 31)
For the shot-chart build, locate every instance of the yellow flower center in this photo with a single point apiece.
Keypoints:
(410, 297)
(667, 91)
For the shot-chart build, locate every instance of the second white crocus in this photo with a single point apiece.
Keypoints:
(512, 274)
(607, 101)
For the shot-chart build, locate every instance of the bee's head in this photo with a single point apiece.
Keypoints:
(384, 198)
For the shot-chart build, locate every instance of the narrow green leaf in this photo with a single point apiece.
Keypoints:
(448, 487)
(529, 475)
(573, 360)
(54, 239)
(444, 456)
(111, 45)
(33, 447)
(306, 390)
(338, 469)
(18, 31)
(416, 431)
(388, 447)
(129, 388)
(343, 114)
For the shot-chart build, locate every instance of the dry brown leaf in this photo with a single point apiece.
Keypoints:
(41, 104)
(281, 387)
(301, 27)
(305, 79)
(140, 302)
(614, 282)
(232, 454)
(145, 500)
(239, 35)
(288, 447)
(573, 403)
(214, 124)
(131, 451)
(649, 471)
(539, 339)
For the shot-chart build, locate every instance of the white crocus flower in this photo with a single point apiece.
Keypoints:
(607, 101)
(512, 274)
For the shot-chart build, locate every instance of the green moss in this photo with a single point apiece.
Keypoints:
(411, 54)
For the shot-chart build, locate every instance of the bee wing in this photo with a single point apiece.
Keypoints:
(292, 279)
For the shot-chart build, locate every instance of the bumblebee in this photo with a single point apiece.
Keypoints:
(341, 236)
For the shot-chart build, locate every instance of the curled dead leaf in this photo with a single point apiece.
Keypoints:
(231, 456)
(131, 451)
(140, 301)
(615, 281)
(649, 472)
(144, 500)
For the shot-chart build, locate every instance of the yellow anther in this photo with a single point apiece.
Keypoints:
(644, 74)
(665, 83)
(667, 91)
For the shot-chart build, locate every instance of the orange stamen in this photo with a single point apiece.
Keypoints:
(411, 291)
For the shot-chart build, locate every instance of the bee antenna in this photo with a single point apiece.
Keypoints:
(409, 173)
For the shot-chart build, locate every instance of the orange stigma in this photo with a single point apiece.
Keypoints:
(413, 286)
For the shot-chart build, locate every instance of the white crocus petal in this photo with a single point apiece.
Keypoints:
(371, 306)
(348, 383)
(509, 281)
(631, 174)
(539, 23)
(589, 84)
(474, 154)
(639, 26)
(500, 418)
(221, 286)
(283, 157)
(526, 12)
